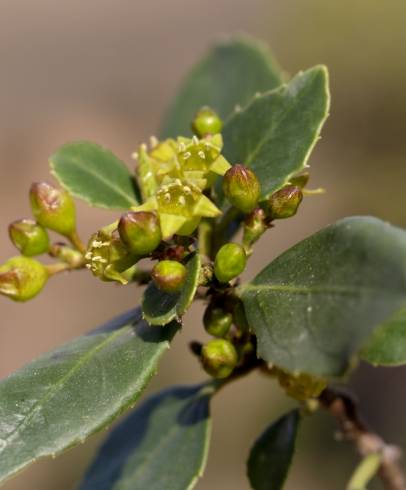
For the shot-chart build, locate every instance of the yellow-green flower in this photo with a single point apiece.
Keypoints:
(180, 205)
(107, 257)
(190, 159)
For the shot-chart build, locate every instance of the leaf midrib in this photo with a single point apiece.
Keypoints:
(310, 289)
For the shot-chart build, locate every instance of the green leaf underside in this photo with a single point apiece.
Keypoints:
(95, 175)
(271, 456)
(161, 445)
(317, 304)
(61, 398)
(387, 346)
(231, 73)
(275, 133)
(160, 308)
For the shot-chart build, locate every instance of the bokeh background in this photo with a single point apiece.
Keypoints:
(105, 70)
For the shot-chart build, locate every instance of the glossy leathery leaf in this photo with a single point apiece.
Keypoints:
(317, 304)
(228, 76)
(271, 456)
(94, 174)
(160, 308)
(387, 346)
(163, 444)
(275, 133)
(63, 397)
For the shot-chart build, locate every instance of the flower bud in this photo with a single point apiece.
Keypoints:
(254, 227)
(219, 358)
(217, 322)
(230, 262)
(29, 237)
(140, 231)
(241, 187)
(53, 208)
(169, 275)
(285, 202)
(22, 278)
(206, 122)
(66, 254)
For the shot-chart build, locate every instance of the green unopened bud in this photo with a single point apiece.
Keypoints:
(217, 322)
(241, 187)
(206, 122)
(140, 231)
(230, 262)
(53, 208)
(66, 254)
(219, 358)
(22, 278)
(169, 275)
(285, 202)
(254, 227)
(29, 237)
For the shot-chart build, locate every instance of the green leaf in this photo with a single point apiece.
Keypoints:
(162, 445)
(63, 397)
(230, 74)
(314, 306)
(276, 132)
(387, 346)
(160, 308)
(272, 453)
(95, 175)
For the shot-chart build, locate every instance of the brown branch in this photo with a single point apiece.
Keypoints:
(344, 408)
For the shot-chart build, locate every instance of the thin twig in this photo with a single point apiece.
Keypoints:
(344, 408)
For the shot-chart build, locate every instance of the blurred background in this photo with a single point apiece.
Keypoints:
(105, 70)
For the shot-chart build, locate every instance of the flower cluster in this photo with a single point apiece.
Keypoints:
(191, 195)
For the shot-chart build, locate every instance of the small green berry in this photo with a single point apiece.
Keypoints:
(22, 278)
(53, 208)
(285, 202)
(140, 231)
(206, 122)
(241, 187)
(230, 262)
(29, 237)
(217, 322)
(219, 358)
(169, 275)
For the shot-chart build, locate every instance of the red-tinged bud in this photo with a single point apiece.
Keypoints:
(241, 187)
(53, 208)
(22, 278)
(217, 322)
(285, 202)
(169, 275)
(230, 262)
(219, 358)
(140, 231)
(206, 122)
(29, 237)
